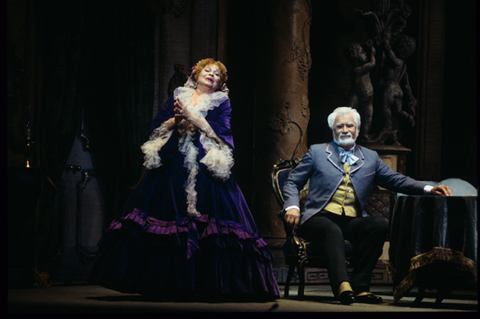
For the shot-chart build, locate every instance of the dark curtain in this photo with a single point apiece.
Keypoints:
(62, 35)
(120, 109)
(97, 58)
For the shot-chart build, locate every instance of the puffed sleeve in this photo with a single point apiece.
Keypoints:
(217, 142)
(160, 145)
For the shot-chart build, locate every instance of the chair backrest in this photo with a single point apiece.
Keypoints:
(279, 175)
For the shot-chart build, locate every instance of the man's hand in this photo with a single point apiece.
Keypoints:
(441, 190)
(292, 218)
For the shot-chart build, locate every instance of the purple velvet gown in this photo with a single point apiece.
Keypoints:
(155, 246)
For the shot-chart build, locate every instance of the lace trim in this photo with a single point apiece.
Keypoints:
(190, 151)
(218, 158)
(158, 138)
(206, 103)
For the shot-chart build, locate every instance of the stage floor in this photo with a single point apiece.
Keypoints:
(83, 298)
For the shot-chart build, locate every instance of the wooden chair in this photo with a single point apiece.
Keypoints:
(298, 252)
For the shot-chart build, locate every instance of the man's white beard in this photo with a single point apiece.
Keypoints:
(344, 142)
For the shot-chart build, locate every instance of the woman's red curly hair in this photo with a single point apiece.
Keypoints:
(203, 63)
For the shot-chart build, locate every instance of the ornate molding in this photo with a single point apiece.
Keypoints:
(304, 108)
(280, 122)
(301, 51)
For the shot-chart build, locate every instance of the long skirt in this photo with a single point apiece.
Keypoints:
(154, 247)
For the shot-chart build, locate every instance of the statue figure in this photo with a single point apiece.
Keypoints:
(394, 82)
(361, 92)
(385, 19)
(178, 78)
(385, 73)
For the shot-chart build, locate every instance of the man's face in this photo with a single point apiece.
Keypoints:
(345, 130)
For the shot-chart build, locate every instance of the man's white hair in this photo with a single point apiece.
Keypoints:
(344, 110)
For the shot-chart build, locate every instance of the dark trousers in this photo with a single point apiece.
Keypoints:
(366, 234)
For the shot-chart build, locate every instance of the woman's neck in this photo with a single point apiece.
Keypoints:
(202, 89)
(199, 91)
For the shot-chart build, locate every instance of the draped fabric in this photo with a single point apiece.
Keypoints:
(121, 95)
(97, 58)
(62, 31)
(429, 230)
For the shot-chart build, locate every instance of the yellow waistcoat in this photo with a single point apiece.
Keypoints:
(344, 200)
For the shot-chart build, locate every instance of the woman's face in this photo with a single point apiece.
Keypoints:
(210, 77)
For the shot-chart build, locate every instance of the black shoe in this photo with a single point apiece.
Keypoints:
(346, 297)
(368, 298)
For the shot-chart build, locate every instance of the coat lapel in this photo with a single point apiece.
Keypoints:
(333, 156)
(358, 164)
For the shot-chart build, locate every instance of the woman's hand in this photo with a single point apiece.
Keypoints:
(181, 112)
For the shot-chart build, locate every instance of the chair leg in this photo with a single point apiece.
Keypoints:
(291, 269)
(442, 293)
(421, 294)
(301, 277)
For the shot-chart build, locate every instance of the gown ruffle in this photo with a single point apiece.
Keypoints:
(154, 246)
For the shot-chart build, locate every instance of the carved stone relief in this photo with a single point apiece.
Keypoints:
(381, 90)
(280, 122)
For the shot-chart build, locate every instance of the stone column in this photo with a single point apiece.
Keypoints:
(281, 91)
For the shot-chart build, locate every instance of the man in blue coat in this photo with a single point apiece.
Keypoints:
(341, 176)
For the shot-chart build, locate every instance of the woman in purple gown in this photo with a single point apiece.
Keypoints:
(186, 228)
